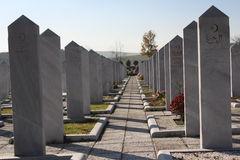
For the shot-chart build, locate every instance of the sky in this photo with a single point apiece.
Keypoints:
(109, 25)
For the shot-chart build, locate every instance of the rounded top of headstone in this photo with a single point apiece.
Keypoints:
(192, 25)
(213, 12)
(23, 20)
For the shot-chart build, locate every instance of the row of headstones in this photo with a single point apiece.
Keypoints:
(36, 85)
(200, 63)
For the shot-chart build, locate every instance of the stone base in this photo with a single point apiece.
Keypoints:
(92, 136)
(1, 123)
(111, 107)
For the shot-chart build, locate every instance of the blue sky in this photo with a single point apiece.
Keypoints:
(104, 24)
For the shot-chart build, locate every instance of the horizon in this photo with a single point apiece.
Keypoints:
(112, 26)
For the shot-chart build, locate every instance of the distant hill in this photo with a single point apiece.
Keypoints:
(111, 54)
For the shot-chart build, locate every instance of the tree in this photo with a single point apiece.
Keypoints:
(148, 45)
(135, 63)
(128, 63)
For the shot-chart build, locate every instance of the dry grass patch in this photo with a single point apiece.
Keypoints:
(101, 106)
(6, 111)
(79, 127)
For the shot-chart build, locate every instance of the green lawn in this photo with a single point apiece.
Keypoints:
(101, 106)
(6, 111)
(79, 128)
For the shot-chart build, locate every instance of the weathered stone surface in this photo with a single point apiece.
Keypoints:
(95, 77)
(167, 79)
(176, 66)
(107, 75)
(29, 139)
(161, 70)
(214, 77)
(77, 73)
(191, 91)
(5, 79)
(50, 67)
(235, 56)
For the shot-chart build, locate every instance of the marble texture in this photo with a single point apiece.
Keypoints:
(167, 78)
(235, 56)
(29, 139)
(95, 77)
(50, 67)
(214, 80)
(176, 67)
(161, 70)
(78, 98)
(190, 74)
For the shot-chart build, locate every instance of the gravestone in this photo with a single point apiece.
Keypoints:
(155, 72)
(4, 80)
(29, 139)
(95, 66)
(51, 67)
(191, 91)
(99, 75)
(176, 66)
(75, 77)
(85, 80)
(147, 72)
(167, 78)
(235, 56)
(104, 77)
(161, 70)
(214, 80)
(150, 72)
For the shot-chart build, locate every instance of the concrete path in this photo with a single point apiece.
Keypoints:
(126, 136)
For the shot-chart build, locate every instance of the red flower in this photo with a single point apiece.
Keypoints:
(177, 104)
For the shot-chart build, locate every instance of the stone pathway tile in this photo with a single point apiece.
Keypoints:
(127, 135)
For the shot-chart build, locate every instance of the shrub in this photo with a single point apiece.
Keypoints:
(177, 105)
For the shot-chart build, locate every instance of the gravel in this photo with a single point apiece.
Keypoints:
(229, 155)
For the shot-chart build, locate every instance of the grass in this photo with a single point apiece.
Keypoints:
(146, 89)
(108, 97)
(6, 111)
(96, 107)
(157, 102)
(79, 128)
(148, 94)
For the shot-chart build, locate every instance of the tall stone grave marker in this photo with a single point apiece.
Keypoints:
(94, 84)
(75, 81)
(161, 70)
(176, 66)
(29, 139)
(235, 56)
(191, 91)
(167, 78)
(214, 80)
(51, 67)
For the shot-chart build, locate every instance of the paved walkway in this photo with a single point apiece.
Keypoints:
(126, 136)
